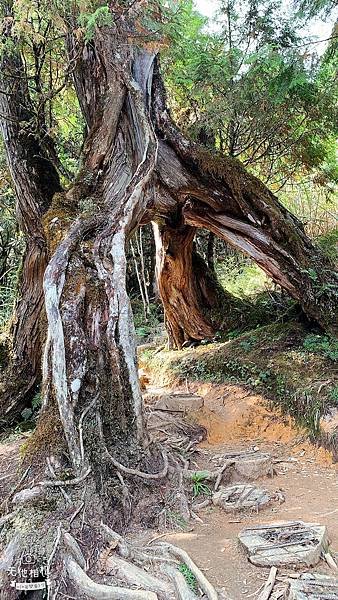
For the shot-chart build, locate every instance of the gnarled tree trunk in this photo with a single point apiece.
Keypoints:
(89, 359)
(217, 193)
(136, 174)
(36, 181)
(195, 305)
(92, 418)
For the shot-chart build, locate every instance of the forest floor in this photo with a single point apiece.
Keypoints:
(305, 475)
(238, 416)
(235, 420)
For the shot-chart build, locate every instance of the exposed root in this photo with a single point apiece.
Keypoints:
(83, 415)
(167, 427)
(226, 465)
(74, 549)
(55, 546)
(121, 545)
(7, 518)
(99, 591)
(181, 587)
(200, 505)
(60, 483)
(63, 492)
(136, 473)
(215, 476)
(134, 575)
(162, 552)
(154, 569)
(14, 489)
(8, 555)
(202, 581)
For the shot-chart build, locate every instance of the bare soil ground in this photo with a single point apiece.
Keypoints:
(306, 475)
(237, 420)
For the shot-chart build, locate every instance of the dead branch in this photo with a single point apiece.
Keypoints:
(51, 557)
(266, 592)
(76, 512)
(330, 561)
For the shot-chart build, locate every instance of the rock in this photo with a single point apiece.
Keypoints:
(329, 422)
(179, 403)
(253, 465)
(241, 497)
(29, 495)
(248, 464)
(288, 543)
(311, 585)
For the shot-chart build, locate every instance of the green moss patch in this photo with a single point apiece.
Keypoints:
(291, 367)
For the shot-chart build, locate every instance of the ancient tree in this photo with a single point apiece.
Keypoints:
(196, 305)
(136, 167)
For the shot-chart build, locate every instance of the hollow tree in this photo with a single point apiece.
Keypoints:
(137, 167)
(195, 304)
(217, 193)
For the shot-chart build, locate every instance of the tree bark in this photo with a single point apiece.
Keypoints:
(136, 168)
(211, 251)
(36, 181)
(195, 305)
(217, 193)
(90, 360)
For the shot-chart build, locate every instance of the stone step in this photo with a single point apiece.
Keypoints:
(287, 543)
(248, 464)
(182, 402)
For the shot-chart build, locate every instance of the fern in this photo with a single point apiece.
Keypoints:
(100, 18)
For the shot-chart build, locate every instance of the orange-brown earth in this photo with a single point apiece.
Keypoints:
(306, 475)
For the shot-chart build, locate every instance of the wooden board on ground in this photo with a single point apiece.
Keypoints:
(311, 586)
(242, 496)
(288, 543)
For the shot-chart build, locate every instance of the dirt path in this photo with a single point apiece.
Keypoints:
(237, 420)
